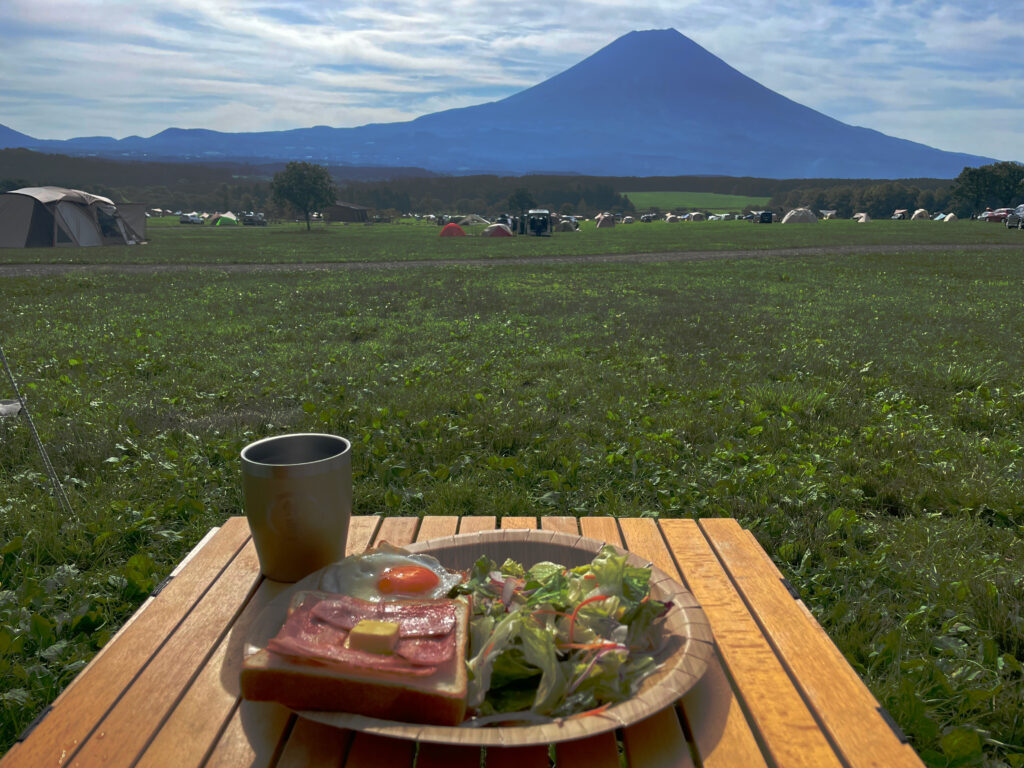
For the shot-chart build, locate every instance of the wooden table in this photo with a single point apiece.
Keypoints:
(164, 692)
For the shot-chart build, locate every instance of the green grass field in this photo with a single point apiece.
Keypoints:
(861, 413)
(171, 242)
(699, 201)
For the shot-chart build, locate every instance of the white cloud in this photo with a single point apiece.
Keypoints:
(936, 72)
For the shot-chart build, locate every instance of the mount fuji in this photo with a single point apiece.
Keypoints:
(652, 103)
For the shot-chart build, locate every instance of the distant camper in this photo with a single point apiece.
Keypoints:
(538, 222)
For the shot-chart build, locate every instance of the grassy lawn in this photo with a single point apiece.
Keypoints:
(862, 414)
(704, 201)
(170, 242)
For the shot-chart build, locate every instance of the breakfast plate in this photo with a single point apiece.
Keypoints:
(682, 659)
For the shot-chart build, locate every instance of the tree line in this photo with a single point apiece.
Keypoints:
(248, 187)
(989, 186)
(487, 194)
(175, 186)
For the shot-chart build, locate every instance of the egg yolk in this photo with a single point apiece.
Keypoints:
(407, 580)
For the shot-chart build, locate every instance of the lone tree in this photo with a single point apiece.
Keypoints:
(305, 187)
(521, 200)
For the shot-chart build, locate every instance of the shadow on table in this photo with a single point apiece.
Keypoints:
(256, 727)
(707, 708)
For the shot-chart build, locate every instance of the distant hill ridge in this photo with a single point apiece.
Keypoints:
(652, 103)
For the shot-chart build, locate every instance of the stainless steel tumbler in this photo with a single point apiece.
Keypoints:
(298, 500)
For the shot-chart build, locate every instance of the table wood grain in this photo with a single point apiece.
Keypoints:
(165, 692)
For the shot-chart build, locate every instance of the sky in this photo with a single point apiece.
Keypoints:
(946, 74)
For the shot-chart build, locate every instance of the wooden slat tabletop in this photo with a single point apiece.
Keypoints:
(165, 691)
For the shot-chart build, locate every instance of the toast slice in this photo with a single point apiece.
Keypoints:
(437, 699)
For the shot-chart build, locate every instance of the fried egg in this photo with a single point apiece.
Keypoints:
(380, 576)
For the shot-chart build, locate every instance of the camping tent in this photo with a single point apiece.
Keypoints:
(497, 230)
(224, 220)
(800, 216)
(951, 217)
(472, 219)
(452, 230)
(698, 216)
(134, 215)
(671, 218)
(861, 218)
(920, 215)
(828, 214)
(54, 216)
(567, 226)
(605, 221)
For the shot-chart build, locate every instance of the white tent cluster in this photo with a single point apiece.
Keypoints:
(800, 216)
(919, 215)
(50, 217)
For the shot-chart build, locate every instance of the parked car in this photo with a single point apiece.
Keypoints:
(251, 219)
(190, 218)
(997, 216)
(1015, 219)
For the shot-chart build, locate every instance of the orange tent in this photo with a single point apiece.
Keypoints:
(452, 230)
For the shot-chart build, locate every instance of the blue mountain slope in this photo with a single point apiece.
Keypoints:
(650, 103)
(10, 138)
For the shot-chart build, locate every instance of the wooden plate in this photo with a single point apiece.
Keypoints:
(683, 659)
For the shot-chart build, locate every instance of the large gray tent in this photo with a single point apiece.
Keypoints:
(44, 217)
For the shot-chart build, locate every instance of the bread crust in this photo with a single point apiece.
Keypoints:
(267, 677)
(438, 699)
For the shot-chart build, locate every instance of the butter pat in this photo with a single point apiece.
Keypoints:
(374, 636)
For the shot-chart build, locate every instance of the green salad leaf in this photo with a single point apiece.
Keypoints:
(552, 641)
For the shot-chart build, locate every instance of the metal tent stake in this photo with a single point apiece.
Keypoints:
(58, 489)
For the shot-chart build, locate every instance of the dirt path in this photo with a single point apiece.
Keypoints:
(44, 270)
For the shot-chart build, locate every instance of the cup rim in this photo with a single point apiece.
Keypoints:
(346, 446)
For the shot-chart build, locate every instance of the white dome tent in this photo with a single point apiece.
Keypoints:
(800, 216)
